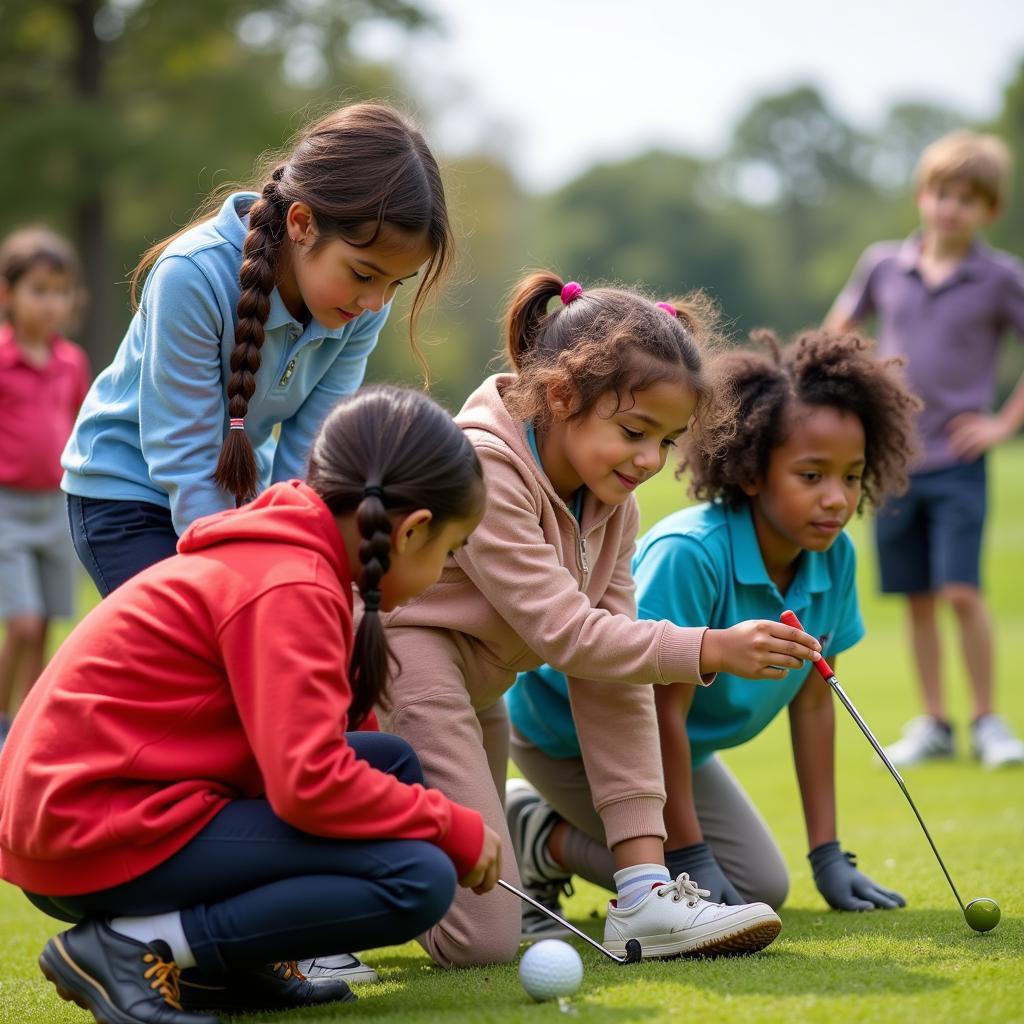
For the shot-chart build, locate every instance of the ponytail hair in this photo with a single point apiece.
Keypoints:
(383, 453)
(360, 170)
(593, 341)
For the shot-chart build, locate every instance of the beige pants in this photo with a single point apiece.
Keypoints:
(464, 753)
(734, 829)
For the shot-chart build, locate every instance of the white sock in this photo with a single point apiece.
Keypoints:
(634, 883)
(158, 926)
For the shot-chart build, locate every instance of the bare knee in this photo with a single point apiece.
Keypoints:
(26, 631)
(922, 606)
(964, 599)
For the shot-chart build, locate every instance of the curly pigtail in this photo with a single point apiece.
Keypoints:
(526, 311)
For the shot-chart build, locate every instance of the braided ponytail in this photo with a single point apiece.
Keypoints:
(371, 658)
(236, 468)
(383, 453)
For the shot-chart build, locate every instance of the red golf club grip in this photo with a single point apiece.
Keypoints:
(821, 664)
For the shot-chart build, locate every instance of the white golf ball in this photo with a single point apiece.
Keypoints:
(550, 969)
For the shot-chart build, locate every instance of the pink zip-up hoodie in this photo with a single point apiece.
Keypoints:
(533, 586)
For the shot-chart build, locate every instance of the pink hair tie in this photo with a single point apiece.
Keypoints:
(236, 423)
(669, 308)
(571, 291)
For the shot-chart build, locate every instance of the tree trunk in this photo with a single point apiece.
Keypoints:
(89, 215)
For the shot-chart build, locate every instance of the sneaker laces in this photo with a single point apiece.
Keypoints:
(289, 969)
(163, 977)
(683, 888)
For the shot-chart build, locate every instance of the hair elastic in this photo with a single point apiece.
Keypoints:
(571, 291)
(371, 601)
(373, 491)
(236, 423)
(669, 308)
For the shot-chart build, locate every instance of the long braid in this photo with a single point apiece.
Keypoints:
(236, 468)
(369, 664)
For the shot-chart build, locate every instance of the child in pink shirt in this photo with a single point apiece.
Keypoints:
(43, 379)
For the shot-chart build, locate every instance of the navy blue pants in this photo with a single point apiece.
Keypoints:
(932, 535)
(114, 540)
(253, 890)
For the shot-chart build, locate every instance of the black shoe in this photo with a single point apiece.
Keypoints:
(119, 980)
(278, 986)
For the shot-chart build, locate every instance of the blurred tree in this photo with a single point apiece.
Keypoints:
(490, 216)
(1009, 229)
(643, 221)
(890, 157)
(119, 116)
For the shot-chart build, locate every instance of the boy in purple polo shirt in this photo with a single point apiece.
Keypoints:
(943, 300)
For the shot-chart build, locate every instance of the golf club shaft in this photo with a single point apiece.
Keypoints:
(847, 703)
(830, 677)
(561, 921)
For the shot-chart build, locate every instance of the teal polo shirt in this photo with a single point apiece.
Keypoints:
(703, 566)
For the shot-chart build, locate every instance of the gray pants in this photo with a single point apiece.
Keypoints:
(38, 568)
(732, 826)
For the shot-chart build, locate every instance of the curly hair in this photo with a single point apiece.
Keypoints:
(820, 368)
(610, 339)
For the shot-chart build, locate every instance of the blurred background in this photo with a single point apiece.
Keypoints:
(748, 153)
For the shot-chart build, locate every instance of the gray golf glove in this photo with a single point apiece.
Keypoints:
(699, 863)
(843, 886)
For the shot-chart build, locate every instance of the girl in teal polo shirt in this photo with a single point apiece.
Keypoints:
(821, 429)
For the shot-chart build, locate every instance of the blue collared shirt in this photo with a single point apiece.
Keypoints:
(153, 423)
(703, 566)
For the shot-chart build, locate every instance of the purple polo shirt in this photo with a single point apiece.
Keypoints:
(949, 334)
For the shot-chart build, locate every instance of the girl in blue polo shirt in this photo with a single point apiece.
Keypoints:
(254, 320)
(821, 429)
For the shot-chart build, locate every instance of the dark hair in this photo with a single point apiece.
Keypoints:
(29, 247)
(608, 339)
(382, 452)
(359, 169)
(820, 368)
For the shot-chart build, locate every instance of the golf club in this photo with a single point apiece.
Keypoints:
(982, 914)
(633, 951)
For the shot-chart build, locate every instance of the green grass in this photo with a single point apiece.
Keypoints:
(917, 964)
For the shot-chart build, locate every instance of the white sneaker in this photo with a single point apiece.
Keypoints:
(342, 967)
(674, 918)
(994, 744)
(530, 821)
(924, 739)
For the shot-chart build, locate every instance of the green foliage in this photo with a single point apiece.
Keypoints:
(120, 117)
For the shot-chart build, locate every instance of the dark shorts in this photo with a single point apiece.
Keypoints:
(114, 540)
(931, 535)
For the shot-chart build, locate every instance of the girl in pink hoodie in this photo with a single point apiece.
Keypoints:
(183, 782)
(604, 385)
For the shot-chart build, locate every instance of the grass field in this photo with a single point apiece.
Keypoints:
(918, 964)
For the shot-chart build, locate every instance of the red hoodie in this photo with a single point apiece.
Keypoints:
(215, 675)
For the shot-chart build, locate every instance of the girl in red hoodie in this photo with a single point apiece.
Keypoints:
(214, 816)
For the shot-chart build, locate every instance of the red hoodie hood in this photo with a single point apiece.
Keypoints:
(290, 513)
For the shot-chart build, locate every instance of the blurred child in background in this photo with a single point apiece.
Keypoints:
(820, 428)
(943, 300)
(185, 782)
(43, 379)
(605, 383)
